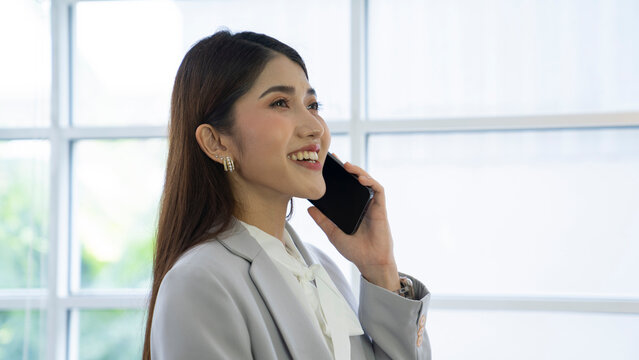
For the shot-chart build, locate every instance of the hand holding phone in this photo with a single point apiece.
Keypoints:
(346, 200)
(371, 247)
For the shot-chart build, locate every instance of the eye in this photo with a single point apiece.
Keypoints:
(280, 103)
(314, 106)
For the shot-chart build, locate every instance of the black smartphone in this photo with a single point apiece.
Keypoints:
(346, 200)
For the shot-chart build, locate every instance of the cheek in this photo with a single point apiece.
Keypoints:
(264, 137)
(326, 137)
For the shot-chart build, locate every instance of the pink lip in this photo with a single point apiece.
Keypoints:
(317, 165)
(309, 165)
(312, 147)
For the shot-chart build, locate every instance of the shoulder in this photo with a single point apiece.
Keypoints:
(208, 256)
(195, 297)
(206, 266)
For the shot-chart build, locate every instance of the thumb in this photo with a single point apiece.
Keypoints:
(323, 222)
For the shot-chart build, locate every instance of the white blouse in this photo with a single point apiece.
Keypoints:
(324, 304)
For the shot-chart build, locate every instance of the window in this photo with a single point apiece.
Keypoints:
(465, 58)
(506, 135)
(25, 96)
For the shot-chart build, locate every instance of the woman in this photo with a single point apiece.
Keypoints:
(231, 279)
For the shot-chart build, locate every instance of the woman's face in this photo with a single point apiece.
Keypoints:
(274, 122)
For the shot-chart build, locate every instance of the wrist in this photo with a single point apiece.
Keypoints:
(386, 277)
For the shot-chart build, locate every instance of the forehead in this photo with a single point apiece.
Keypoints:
(281, 71)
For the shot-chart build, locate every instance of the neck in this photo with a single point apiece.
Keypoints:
(261, 208)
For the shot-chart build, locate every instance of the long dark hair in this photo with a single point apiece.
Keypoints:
(197, 195)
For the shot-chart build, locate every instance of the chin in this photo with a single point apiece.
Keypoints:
(314, 194)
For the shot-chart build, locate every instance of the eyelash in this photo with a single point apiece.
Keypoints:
(315, 105)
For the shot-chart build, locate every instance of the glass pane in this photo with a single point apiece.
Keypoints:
(306, 227)
(25, 66)
(116, 192)
(111, 334)
(520, 213)
(506, 335)
(22, 334)
(125, 75)
(430, 58)
(24, 203)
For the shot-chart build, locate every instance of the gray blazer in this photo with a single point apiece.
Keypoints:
(225, 299)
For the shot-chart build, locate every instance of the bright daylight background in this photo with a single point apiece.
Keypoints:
(505, 132)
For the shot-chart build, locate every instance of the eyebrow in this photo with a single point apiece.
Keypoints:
(285, 89)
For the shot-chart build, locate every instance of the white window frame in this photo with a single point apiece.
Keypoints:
(59, 302)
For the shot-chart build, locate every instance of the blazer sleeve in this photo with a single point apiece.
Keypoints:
(196, 318)
(396, 325)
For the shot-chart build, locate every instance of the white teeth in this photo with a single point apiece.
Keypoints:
(311, 156)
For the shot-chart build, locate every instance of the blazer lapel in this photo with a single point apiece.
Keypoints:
(296, 329)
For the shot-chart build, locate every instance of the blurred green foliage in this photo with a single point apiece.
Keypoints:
(24, 200)
(23, 222)
(22, 334)
(116, 192)
(111, 334)
(132, 269)
(24, 212)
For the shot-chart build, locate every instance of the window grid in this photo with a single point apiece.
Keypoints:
(59, 302)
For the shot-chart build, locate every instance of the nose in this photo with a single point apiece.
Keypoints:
(310, 125)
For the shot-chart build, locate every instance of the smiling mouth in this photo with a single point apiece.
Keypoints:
(310, 156)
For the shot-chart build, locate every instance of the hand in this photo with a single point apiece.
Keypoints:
(371, 247)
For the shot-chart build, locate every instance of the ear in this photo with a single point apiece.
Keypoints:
(210, 141)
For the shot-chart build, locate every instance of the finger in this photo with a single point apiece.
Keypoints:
(374, 184)
(327, 226)
(354, 169)
(334, 154)
(364, 178)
